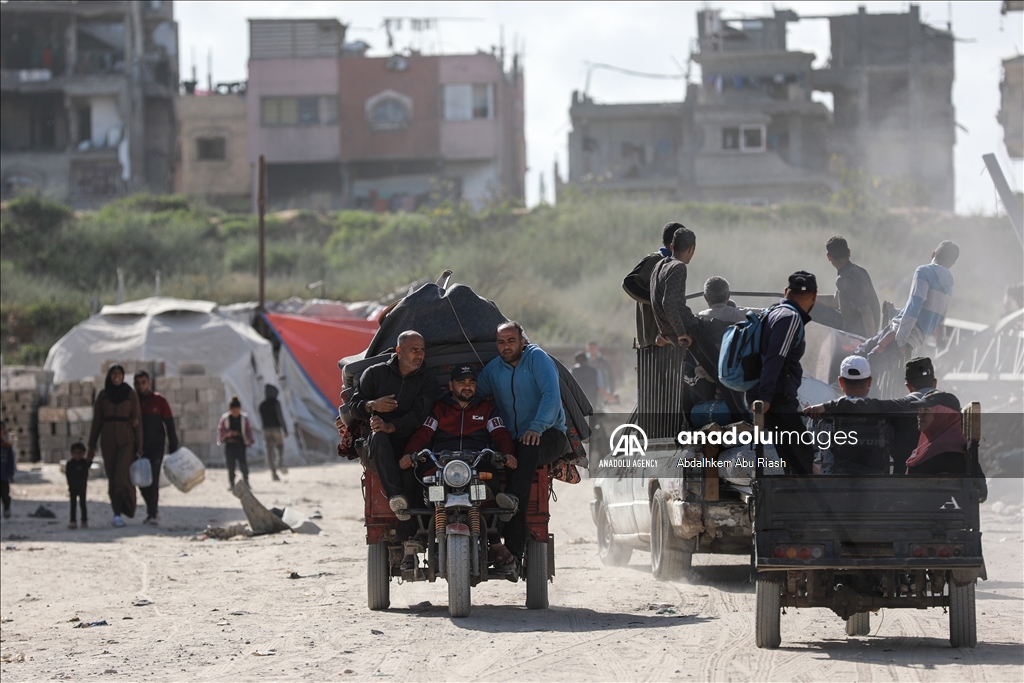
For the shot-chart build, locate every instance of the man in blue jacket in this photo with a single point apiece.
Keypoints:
(524, 382)
(782, 347)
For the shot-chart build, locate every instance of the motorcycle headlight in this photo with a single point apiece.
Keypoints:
(457, 474)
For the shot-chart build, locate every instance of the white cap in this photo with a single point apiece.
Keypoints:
(855, 367)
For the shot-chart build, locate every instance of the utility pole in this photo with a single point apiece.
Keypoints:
(261, 207)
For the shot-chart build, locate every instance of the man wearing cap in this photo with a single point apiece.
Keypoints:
(900, 412)
(461, 420)
(868, 451)
(782, 347)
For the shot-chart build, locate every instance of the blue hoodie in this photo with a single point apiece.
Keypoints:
(930, 294)
(527, 394)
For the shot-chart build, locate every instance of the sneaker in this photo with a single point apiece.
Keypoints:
(118, 522)
(72, 525)
(409, 563)
(152, 521)
(275, 477)
(282, 470)
(85, 524)
(399, 505)
(509, 503)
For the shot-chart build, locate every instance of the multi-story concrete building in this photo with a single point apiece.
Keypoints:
(87, 111)
(340, 129)
(750, 132)
(214, 150)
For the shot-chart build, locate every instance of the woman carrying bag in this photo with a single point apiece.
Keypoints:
(117, 426)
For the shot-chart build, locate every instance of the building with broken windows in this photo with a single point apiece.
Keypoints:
(752, 133)
(88, 102)
(214, 148)
(340, 129)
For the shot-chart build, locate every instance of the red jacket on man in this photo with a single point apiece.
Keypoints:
(450, 427)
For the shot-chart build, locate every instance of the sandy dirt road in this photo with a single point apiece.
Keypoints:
(213, 604)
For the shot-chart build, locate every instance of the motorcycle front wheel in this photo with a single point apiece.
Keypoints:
(458, 565)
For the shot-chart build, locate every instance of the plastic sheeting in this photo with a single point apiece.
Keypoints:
(175, 331)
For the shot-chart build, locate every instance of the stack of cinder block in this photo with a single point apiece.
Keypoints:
(23, 389)
(67, 418)
(197, 401)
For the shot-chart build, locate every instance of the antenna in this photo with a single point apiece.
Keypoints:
(209, 69)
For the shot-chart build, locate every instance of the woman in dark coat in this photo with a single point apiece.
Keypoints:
(117, 425)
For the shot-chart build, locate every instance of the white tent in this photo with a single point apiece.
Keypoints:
(175, 331)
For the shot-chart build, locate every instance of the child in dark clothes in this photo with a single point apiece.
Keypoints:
(77, 471)
(7, 468)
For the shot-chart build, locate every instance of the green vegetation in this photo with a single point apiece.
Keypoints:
(556, 269)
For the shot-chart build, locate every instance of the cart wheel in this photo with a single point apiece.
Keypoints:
(536, 574)
(859, 624)
(378, 576)
(611, 552)
(768, 609)
(458, 576)
(963, 627)
(667, 563)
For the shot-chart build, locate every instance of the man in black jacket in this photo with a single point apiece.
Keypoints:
(782, 347)
(157, 428)
(396, 397)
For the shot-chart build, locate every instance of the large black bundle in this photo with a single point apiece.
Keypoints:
(431, 311)
(428, 310)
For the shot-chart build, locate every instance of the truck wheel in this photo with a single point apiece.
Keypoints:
(378, 576)
(536, 574)
(963, 627)
(768, 609)
(611, 552)
(667, 563)
(859, 624)
(458, 576)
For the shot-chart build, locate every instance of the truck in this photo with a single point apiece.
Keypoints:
(856, 544)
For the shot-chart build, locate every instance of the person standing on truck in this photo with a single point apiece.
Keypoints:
(524, 382)
(396, 396)
(782, 347)
(638, 286)
(923, 315)
(668, 290)
(855, 294)
(462, 420)
(157, 430)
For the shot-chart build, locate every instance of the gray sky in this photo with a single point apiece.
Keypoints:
(558, 37)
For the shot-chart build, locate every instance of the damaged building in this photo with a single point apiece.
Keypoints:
(88, 106)
(214, 147)
(340, 129)
(752, 133)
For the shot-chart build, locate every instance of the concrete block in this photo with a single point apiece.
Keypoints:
(53, 414)
(80, 414)
(193, 409)
(168, 384)
(22, 383)
(193, 382)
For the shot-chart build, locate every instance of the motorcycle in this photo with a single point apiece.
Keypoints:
(455, 527)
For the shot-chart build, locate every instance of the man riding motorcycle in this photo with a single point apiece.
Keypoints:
(463, 421)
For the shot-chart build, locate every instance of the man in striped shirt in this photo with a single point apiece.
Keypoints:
(923, 316)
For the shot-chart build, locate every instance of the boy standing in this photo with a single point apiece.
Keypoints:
(77, 471)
